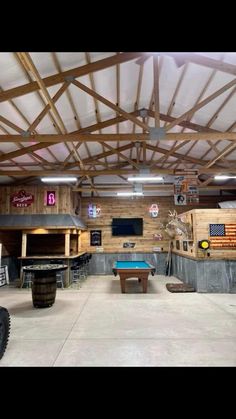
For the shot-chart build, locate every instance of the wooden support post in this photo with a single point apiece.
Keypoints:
(67, 244)
(24, 244)
(79, 240)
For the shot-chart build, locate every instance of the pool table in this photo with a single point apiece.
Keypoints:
(133, 269)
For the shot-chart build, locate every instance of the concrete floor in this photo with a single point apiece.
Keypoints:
(96, 325)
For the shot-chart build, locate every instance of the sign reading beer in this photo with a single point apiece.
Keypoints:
(21, 199)
(51, 198)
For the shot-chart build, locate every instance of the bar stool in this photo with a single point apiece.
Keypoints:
(78, 272)
(59, 274)
(26, 277)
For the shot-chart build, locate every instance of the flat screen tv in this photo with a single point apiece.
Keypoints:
(127, 227)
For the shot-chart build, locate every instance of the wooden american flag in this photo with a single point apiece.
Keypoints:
(222, 236)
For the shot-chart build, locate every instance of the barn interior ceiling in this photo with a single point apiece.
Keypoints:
(103, 117)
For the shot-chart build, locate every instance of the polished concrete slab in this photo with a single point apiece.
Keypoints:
(96, 325)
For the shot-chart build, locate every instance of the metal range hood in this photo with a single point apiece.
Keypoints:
(24, 221)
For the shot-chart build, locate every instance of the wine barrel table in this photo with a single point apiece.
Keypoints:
(44, 283)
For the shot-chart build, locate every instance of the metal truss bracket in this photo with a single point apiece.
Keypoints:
(156, 134)
(69, 78)
(25, 134)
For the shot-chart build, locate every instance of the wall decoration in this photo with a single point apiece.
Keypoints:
(94, 210)
(204, 244)
(158, 236)
(186, 190)
(21, 199)
(51, 198)
(153, 210)
(185, 245)
(128, 245)
(157, 249)
(180, 199)
(95, 238)
(222, 236)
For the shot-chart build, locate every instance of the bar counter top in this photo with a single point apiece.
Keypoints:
(52, 256)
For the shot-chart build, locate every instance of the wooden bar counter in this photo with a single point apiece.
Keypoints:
(67, 260)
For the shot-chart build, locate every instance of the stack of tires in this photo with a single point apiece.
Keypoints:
(4, 330)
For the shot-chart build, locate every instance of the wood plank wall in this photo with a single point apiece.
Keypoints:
(134, 208)
(65, 201)
(200, 220)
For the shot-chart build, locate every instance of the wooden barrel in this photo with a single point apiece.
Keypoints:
(44, 291)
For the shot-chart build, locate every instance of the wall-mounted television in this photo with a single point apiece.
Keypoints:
(127, 227)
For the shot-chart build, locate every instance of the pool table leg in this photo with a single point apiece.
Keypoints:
(122, 284)
(144, 284)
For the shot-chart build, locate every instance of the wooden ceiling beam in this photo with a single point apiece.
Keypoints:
(201, 104)
(29, 65)
(227, 150)
(173, 100)
(156, 187)
(96, 104)
(28, 62)
(57, 138)
(74, 72)
(207, 62)
(110, 104)
(131, 162)
(156, 91)
(136, 104)
(93, 173)
(47, 108)
(185, 124)
(200, 96)
(174, 154)
(42, 100)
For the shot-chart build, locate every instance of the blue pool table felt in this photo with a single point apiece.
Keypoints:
(136, 264)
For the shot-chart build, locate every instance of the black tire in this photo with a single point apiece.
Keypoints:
(4, 330)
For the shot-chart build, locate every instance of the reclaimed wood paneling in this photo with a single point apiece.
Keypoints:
(64, 200)
(133, 208)
(201, 219)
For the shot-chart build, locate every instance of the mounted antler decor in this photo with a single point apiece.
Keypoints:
(175, 226)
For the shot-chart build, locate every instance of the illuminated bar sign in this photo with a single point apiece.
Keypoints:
(21, 199)
(51, 198)
(94, 211)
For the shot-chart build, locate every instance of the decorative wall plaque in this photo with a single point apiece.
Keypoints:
(95, 237)
(186, 190)
(153, 210)
(185, 245)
